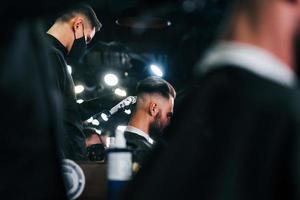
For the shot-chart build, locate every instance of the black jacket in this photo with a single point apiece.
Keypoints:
(236, 136)
(140, 146)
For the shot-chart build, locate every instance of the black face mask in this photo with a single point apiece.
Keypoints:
(79, 47)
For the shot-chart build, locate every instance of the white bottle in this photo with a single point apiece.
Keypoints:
(119, 166)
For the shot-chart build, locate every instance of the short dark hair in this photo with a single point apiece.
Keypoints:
(83, 9)
(155, 85)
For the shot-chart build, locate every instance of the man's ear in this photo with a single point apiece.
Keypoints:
(153, 108)
(77, 22)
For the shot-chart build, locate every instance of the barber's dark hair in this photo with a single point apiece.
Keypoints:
(83, 9)
(155, 85)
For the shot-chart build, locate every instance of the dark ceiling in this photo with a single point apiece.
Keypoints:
(173, 34)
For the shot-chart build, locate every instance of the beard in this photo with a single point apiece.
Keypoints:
(156, 127)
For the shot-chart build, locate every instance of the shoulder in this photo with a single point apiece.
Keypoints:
(56, 53)
(133, 137)
(136, 141)
(57, 59)
(238, 83)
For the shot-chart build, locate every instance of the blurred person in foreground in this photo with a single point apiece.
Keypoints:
(237, 135)
(31, 124)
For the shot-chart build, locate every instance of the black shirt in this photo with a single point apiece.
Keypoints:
(74, 113)
(74, 139)
(140, 146)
